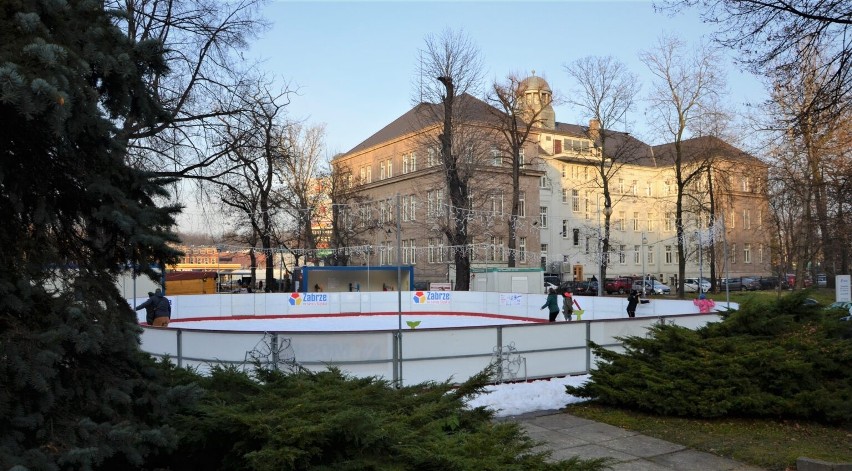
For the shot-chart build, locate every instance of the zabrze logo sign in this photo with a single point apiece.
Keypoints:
(431, 297)
(308, 299)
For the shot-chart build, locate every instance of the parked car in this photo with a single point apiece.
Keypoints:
(586, 288)
(842, 306)
(750, 284)
(769, 282)
(652, 287)
(620, 285)
(690, 285)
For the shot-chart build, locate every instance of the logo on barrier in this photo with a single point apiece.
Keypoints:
(308, 299)
(431, 297)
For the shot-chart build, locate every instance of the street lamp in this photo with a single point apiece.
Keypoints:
(700, 265)
(607, 211)
(643, 255)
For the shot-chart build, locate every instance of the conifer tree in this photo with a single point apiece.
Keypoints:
(76, 391)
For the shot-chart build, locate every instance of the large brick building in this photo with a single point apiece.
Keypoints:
(562, 208)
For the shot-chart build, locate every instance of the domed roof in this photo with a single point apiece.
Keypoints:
(535, 83)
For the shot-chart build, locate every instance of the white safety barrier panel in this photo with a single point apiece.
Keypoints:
(409, 356)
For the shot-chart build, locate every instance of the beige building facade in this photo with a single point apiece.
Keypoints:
(400, 178)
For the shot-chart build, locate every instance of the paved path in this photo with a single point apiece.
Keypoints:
(567, 436)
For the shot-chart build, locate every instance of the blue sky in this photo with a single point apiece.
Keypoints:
(354, 63)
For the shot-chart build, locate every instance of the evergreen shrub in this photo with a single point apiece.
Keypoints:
(779, 359)
(328, 421)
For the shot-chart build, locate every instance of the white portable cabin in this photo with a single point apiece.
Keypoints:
(507, 280)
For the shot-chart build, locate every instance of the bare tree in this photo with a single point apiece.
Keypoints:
(515, 120)
(206, 72)
(809, 156)
(303, 188)
(346, 232)
(450, 75)
(780, 35)
(604, 92)
(685, 85)
(254, 140)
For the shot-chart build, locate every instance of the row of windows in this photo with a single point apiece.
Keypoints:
(409, 163)
(437, 252)
(633, 187)
(620, 218)
(670, 255)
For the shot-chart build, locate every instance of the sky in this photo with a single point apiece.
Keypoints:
(353, 64)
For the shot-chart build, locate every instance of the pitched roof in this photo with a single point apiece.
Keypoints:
(701, 148)
(425, 115)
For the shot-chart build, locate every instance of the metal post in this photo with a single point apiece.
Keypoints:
(399, 282)
(644, 275)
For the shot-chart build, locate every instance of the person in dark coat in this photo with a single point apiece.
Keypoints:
(149, 305)
(632, 301)
(552, 304)
(162, 310)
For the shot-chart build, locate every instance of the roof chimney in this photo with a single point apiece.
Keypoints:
(594, 130)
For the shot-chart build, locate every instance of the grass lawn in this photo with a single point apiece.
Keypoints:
(769, 444)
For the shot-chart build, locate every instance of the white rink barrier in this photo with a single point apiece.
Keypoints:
(409, 356)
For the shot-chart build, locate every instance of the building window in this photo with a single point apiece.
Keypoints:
(406, 251)
(435, 203)
(746, 219)
(650, 255)
(390, 168)
(587, 244)
(565, 197)
(733, 219)
(733, 255)
(634, 188)
(588, 205)
(636, 221)
(363, 174)
(648, 190)
(564, 170)
(497, 203)
(412, 161)
(746, 253)
(575, 201)
(564, 229)
(621, 186)
(522, 205)
(759, 218)
(669, 221)
(576, 237)
(622, 257)
(667, 187)
(544, 182)
(496, 157)
(760, 253)
(432, 157)
(746, 184)
(370, 174)
(382, 170)
(522, 249)
(669, 258)
(405, 163)
(650, 222)
(543, 216)
(521, 158)
(619, 223)
(636, 255)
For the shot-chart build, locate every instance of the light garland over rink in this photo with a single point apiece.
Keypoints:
(356, 214)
